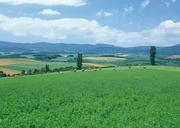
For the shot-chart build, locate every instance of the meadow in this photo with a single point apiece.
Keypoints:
(109, 98)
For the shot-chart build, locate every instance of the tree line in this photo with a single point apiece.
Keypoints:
(47, 69)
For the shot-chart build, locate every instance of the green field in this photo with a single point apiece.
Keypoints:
(121, 98)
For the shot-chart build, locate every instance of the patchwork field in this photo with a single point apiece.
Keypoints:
(174, 57)
(94, 65)
(9, 71)
(39, 65)
(104, 58)
(5, 62)
(101, 61)
(15, 66)
(124, 98)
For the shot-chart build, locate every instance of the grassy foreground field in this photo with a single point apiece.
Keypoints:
(122, 98)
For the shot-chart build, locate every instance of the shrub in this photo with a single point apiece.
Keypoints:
(23, 72)
(36, 71)
(29, 72)
(2, 74)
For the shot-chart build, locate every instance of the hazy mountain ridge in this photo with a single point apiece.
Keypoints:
(85, 48)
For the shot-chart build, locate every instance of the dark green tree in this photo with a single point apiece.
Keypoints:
(47, 69)
(79, 61)
(153, 55)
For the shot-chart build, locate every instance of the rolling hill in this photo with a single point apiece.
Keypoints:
(85, 48)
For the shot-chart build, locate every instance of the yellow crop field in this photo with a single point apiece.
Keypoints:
(5, 62)
(9, 71)
(94, 65)
(105, 58)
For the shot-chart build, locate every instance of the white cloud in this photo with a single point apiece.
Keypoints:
(167, 33)
(47, 2)
(103, 14)
(128, 10)
(49, 12)
(79, 30)
(145, 3)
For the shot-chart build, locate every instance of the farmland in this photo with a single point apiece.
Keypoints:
(10, 71)
(174, 57)
(121, 97)
(14, 63)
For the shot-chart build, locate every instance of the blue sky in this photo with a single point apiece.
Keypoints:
(116, 22)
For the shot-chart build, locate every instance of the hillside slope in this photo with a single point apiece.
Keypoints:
(85, 48)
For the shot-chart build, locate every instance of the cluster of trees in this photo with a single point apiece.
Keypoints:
(45, 69)
(2, 74)
(61, 69)
(45, 56)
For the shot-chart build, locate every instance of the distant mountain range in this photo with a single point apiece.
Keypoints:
(85, 48)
